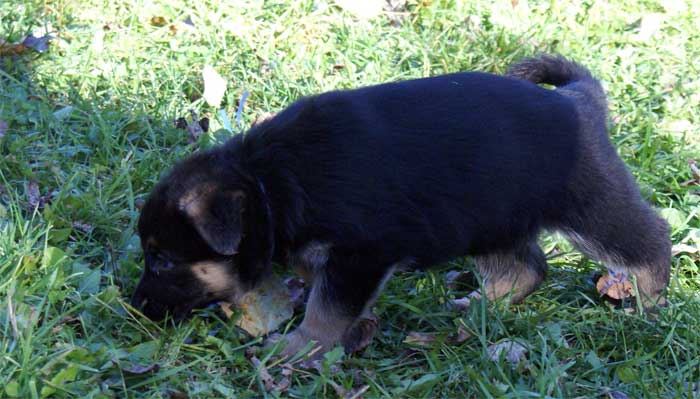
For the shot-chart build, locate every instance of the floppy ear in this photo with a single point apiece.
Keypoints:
(216, 215)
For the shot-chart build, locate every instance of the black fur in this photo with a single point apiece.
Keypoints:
(421, 172)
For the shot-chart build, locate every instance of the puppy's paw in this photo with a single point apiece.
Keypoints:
(299, 339)
(360, 334)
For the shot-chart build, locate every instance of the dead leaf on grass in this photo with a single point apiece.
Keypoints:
(695, 171)
(34, 197)
(420, 339)
(462, 334)
(264, 308)
(39, 44)
(137, 369)
(351, 394)
(615, 285)
(683, 248)
(82, 226)
(267, 378)
(214, 86)
(177, 395)
(617, 395)
(195, 129)
(36, 43)
(158, 21)
(513, 351)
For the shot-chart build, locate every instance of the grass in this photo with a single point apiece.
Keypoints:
(89, 129)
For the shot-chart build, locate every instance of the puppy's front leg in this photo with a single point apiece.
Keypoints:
(343, 289)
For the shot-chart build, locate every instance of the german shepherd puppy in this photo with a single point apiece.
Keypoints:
(346, 186)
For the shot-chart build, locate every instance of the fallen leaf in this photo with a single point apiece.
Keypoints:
(33, 195)
(3, 128)
(11, 49)
(136, 369)
(423, 340)
(396, 11)
(214, 86)
(268, 380)
(513, 351)
(650, 26)
(617, 395)
(158, 21)
(351, 394)
(82, 226)
(195, 129)
(178, 395)
(264, 308)
(695, 171)
(462, 335)
(461, 303)
(615, 285)
(39, 44)
(683, 248)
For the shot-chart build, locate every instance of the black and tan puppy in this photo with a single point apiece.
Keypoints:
(349, 185)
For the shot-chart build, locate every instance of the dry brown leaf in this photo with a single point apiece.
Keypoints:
(351, 394)
(194, 129)
(615, 286)
(158, 21)
(462, 334)
(683, 248)
(513, 351)
(138, 369)
(423, 340)
(34, 197)
(267, 378)
(82, 226)
(695, 171)
(264, 308)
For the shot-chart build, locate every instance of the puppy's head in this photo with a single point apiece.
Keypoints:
(206, 236)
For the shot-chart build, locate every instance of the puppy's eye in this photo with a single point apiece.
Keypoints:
(161, 264)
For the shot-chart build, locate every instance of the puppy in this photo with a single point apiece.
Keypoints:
(346, 186)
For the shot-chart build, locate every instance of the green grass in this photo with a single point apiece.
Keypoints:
(90, 122)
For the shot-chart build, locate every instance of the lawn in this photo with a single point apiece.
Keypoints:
(87, 127)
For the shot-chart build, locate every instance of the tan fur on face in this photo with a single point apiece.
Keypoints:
(215, 276)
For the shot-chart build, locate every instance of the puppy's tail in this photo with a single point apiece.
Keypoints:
(562, 73)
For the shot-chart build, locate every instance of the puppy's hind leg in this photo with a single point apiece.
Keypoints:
(630, 239)
(342, 292)
(516, 272)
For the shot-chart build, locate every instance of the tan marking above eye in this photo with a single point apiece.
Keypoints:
(215, 276)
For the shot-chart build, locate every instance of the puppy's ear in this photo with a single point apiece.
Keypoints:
(216, 214)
